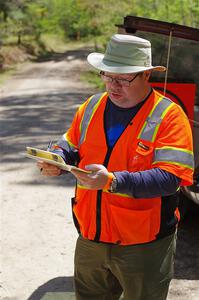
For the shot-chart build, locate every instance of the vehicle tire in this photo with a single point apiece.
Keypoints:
(191, 192)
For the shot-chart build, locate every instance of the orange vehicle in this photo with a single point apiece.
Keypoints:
(176, 47)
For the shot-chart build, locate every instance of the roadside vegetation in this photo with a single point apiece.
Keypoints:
(30, 29)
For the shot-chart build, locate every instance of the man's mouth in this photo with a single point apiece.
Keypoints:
(114, 93)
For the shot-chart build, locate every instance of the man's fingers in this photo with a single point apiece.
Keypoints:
(47, 172)
(40, 164)
(48, 169)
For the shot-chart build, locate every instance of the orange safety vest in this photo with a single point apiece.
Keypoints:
(159, 136)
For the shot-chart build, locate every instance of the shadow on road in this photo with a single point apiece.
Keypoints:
(54, 286)
(187, 254)
(68, 55)
(35, 120)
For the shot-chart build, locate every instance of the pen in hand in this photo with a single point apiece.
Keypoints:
(49, 146)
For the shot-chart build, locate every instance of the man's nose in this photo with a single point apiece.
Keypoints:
(114, 82)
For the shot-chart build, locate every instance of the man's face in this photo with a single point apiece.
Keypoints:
(129, 92)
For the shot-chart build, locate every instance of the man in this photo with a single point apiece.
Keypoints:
(137, 146)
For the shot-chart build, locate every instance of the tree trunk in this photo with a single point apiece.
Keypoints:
(5, 15)
(19, 38)
(78, 35)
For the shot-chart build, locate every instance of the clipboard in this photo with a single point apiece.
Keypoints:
(51, 158)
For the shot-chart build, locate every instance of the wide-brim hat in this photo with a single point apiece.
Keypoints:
(124, 54)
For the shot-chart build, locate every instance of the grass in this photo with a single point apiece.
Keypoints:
(4, 76)
(94, 79)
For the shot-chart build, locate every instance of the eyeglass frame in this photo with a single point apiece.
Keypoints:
(128, 82)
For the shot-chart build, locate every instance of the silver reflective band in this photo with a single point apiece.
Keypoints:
(87, 115)
(175, 156)
(64, 144)
(152, 123)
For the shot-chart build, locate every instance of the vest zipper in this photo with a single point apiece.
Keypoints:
(99, 200)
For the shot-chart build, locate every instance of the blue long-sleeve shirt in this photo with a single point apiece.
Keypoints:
(144, 184)
(147, 184)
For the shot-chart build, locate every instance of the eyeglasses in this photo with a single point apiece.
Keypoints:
(122, 82)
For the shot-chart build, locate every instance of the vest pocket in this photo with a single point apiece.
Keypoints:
(142, 158)
(130, 226)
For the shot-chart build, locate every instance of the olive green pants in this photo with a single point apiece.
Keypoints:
(140, 272)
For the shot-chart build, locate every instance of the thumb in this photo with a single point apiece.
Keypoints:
(94, 167)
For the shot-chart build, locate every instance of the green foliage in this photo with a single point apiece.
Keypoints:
(184, 12)
(94, 79)
(93, 19)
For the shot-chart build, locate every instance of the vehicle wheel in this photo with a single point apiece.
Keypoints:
(192, 192)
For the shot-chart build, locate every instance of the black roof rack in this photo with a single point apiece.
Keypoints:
(132, 24)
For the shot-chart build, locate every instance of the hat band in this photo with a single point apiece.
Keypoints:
(126, 61)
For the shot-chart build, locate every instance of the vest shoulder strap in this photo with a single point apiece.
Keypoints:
(91, 108)
(151, 125)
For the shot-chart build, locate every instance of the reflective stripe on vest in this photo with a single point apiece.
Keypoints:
(153, 121)
(94, 101)
(83, 187)
(65, 144)
(92, 106)
(174, 156)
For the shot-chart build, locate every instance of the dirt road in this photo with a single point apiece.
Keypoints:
(37, 234)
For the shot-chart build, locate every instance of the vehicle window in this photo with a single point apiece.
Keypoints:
(184, 56)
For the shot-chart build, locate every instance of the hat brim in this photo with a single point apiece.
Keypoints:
(98, 61)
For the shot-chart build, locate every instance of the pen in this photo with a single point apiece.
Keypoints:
(49, 146)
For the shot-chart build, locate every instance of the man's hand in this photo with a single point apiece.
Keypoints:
(94, 181)
(48, 169)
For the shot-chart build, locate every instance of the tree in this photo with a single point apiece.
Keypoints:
(88, 18)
